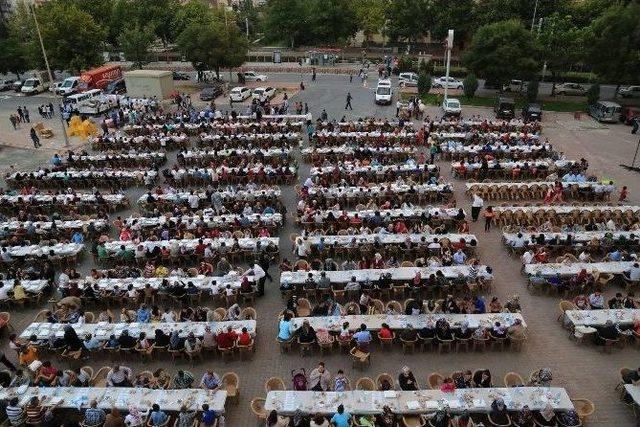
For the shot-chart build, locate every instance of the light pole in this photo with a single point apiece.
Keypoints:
(535, 11)
(448, 53)
(46, 62)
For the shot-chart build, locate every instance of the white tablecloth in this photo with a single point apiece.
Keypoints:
(393, 214)
(155, 138)
(551, 269)
(210, 220)
(483, 135)
(400, 321)
(129, 156)
(346, 149)
(88, 173)
(58, 250)
(183, 196)
(348, 167)
(397, 274)
(182, 172)
(289, 136)
(454, 147)
(564, 209)
(201, 154)
(31, 286)
(419, 401)
(511, 165)
(593, 318)
(595, 185)
(377, 190)
(120, 397)
(63, 198)
(209, 284)
(387, 239)
(634, 392)
(360, 135)
(581, 237)
(76, 224)
(103, 330)
(190, 244)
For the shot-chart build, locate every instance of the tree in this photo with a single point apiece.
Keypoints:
(287, 21)
(72, 38)
(452, 15)
(502, 51)
(424, 84)
(332, 20)
(593, 94)
(561, 45)
(371, 16)
(470, 85)
(135, 42)
(408, 19)
(532, 90)
(613, 44)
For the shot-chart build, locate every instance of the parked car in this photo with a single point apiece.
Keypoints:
(605, 111)
(116, 87)
(408, 80)
(628, 113)
(53, 87)
(263, 94)
(531, 112)
(629, 92)
(239, 94)
(210, 93)
(505, 108)
(5, 84)
(384, 93)
(452, 83)
(33, 86)
(177, 75)
(69, 86)
(253, 76)
(17, 85)
(451, 107)
(570, 89)
(515, 86)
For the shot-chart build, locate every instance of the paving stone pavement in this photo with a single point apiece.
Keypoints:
(583, 370)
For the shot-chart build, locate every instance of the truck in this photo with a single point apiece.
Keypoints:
(35, 84)
(99, 78)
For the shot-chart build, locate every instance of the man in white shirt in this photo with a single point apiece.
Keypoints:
(527, 258)
(518, 242)
(302, 248)
(4, 295)
(260, 276)
(194, 200)
(634, 272)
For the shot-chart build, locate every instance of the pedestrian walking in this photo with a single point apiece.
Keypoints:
(306, 108)
(476, 207)
(398, 106)
(34, 138)
(623, 195)
(350, 77)
(26, 114)
(51, 110)
(301, 85)
(20, 114)
(349, 98)
(313, 74)
(13, 121)
(488, 217)
(324, 116)
(635, 125)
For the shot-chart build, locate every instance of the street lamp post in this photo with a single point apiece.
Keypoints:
(448, 53)
(46, 62)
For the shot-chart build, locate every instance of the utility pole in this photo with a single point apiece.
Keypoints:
(46, 62)
(246, 24)
(448, 53)
(535, 11)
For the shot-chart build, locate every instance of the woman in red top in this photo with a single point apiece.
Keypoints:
(385, 332)
(244, 338)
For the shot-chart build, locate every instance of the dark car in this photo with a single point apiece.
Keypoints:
(17, 85)
(210, 93)
(505, 108)
(180, 76)
(116, 87)
(531, 113)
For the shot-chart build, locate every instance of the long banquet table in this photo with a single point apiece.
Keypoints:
(565, 209)
(397, 274)
(103, 330)
(579, 237)
(183, 196)
(552, 269)
(209, 220)
(595, 318)
(119, 397)
(386, 239)
(378, 190)
(190, 244)
(418, 401)
(76, 224)
(31, 286)
(393, 214)
(401, 321)
(210, 284)
(510, 185)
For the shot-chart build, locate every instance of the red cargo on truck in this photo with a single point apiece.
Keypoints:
(100, 77)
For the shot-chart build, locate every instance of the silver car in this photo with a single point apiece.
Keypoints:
(629, 92)
(570, 89)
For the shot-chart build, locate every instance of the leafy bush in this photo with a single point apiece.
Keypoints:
(406, 64)
(593, 94)
(424, 83)
(470, 85)
(532, 90)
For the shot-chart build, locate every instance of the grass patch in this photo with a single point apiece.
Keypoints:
(477, 101)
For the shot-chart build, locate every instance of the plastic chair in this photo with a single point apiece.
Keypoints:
(366, 384)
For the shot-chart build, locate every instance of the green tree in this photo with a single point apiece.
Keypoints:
(613, 44)
(424, 83)
(287, 21)
(246, 12)
(159, 14)
(452, 15)
(408, 19)
(13, 52)
(135, 42)
(490, 11)
(332, 20)
(502, 51)
(561, 45)
(470, 85)
(532, 90)
(593, 94)
(72, 38)
(371, 16)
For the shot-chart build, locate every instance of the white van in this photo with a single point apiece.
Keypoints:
(384, 93)
(75, 100)
(408, 80)
(96, 104)
(32, 86)
(605, 111)
(69, 86)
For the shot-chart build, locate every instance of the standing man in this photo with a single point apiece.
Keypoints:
(34, 138)
(476, 207)
(349, 98)
(635, 125)
(313, 74)
(21, 114)
(26, 113)
(398, 107)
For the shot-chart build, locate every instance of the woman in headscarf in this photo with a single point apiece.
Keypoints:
(499, 414)
(569, 418)
(525, 417)
(441, 418)
(386, 418)
(175, 343)
(407, 380)
(546, 417)
(299, 419)
(71, 339)
(134, 418)
(233, 313)
(465, 332)
(482, 378)
(161, 339)
(464, 420)
(542, 378)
